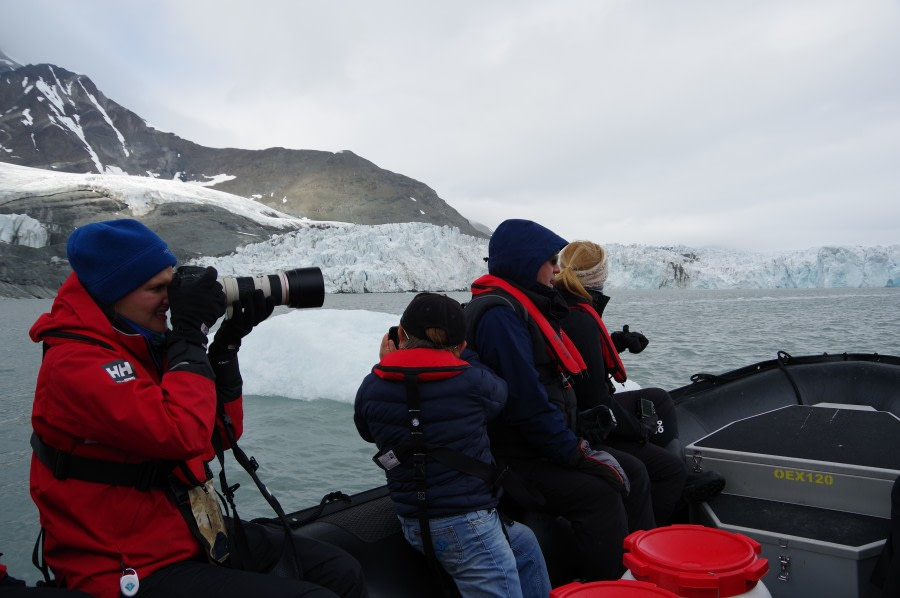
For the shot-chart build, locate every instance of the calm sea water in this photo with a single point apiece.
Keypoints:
(309, 448)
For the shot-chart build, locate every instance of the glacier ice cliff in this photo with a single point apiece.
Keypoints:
(356, 258)
(417, 257)
(19, 229)
(643, 267)
(367, 258)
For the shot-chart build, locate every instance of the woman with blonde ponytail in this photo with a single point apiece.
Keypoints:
(589, 260)
(645, 424)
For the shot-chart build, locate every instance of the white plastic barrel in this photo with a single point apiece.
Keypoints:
(621, 588)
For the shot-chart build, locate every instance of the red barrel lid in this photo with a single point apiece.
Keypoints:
(623, 588)
(695, 561)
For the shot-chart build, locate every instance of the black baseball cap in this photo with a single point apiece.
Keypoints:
(431, 310)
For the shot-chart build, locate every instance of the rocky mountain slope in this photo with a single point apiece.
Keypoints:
(54, 119)
(39, 209)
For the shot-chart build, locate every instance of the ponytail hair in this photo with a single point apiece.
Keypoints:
(581, 263)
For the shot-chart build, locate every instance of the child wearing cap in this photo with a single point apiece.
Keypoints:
(426, 406)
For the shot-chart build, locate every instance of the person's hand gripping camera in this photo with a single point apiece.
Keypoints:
(248, 311)
(196, 301)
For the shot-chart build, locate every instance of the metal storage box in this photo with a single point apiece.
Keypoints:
(812, 552)
(812, 484)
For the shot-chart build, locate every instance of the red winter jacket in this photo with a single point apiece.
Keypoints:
(82, 407)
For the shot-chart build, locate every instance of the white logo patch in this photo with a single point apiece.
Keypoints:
(120, 371)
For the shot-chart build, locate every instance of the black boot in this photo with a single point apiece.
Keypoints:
(702, 486)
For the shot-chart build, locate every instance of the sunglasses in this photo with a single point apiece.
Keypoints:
(554, 260)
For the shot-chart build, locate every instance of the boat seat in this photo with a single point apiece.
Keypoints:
(557, 541)
(368, 529)
(715, 401)
(856, 383)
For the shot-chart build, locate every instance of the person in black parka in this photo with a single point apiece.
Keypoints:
(513, 323)
(646, 425)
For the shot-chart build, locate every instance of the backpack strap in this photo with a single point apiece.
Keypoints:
(74, 336)
(420, 457)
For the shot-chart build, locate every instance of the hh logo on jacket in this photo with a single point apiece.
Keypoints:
(120, 371)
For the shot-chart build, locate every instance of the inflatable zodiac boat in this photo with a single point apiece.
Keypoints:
(810, 449)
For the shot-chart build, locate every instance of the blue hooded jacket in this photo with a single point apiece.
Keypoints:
(456, 407)
(530, 424)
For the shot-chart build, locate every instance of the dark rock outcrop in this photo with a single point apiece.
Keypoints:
(190, 229)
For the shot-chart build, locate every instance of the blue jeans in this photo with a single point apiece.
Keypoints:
(474, 551)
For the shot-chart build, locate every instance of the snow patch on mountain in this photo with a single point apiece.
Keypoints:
(140, 194)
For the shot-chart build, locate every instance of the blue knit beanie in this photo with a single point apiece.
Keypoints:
(113, 258)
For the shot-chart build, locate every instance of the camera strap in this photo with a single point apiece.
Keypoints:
(289, 564)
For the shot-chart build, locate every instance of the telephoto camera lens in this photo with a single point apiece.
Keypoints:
(300, 287)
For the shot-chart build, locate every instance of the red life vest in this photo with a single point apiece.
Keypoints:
(611, 358)
(428, 364)
(558, 343)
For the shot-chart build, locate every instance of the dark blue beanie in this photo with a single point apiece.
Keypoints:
(113, 258)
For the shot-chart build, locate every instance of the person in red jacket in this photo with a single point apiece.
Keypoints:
(125, 421)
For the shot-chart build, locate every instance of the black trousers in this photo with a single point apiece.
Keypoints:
(599, 515)
(328, 571)
(664, 465)
(665, 411)
(667, 474)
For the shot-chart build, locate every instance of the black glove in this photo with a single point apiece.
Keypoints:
(223, 350)
(595, 424)
(600, 464)
(246, 314)
(196, 299)
(633, 341)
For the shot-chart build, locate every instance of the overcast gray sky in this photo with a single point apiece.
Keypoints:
(754, 124)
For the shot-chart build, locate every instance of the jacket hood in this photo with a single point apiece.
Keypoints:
(518, 249)
(72, 310)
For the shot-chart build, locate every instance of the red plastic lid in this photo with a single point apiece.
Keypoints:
(695, 561)
(623, 588)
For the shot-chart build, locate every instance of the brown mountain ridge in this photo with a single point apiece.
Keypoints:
(54, 119)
